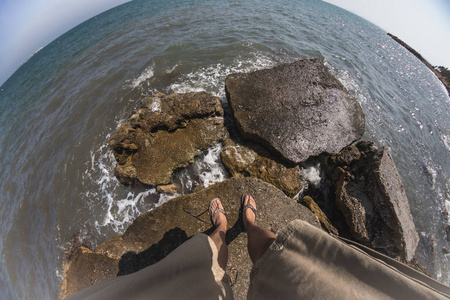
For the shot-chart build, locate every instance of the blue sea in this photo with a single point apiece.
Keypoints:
(59, 109)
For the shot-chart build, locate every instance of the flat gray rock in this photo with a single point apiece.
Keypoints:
(389, 197)
(297, 110)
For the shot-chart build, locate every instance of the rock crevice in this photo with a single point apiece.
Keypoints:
(370, 193)
(165, 134)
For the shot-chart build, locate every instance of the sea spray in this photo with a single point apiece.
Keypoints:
(212, 77)
(119, 209)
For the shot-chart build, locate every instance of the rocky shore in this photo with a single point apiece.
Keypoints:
(443, 79)
(280, 120)
(165, 134)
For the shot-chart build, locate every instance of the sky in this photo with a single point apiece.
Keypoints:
(27, 25)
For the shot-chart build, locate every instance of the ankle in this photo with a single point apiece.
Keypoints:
(249, 224)
(221, 225)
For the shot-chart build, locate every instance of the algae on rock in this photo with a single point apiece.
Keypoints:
(165, 134)
(242, 161)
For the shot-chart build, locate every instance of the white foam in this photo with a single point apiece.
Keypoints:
(211, 78)
(347, 81)
(211, 168)
(118, 212)
(187, 181)
(147, 74)
(185, 87)
(446, 141)
(311, 175)
(156, 105)
(165, 197)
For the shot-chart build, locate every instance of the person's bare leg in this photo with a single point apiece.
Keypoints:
(258, 239)
(218, 236)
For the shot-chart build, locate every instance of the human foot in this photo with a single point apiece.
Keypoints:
(217, 213)
(248, 210)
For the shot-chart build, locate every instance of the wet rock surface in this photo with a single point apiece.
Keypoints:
(165, 134)
(242, 161)
(153, 235)
(370, 194)
(296, 110)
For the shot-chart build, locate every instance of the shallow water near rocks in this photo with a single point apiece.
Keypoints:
(59, 109)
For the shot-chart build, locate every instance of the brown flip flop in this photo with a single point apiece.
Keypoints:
(217, 210)
(243, 208)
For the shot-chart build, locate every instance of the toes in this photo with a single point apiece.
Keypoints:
(216, 208)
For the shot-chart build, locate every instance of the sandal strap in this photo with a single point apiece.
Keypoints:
(216, 211)
(249, 206)
(244, 207)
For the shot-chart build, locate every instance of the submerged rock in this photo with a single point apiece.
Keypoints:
(370, 194)
(165, 134)
(297, 110)
(169, 188)
(156, 233)
(242, 161)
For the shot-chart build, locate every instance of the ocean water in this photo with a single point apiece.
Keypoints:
(59, 109)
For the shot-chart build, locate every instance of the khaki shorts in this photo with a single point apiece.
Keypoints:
(306, 263)
(190, 272)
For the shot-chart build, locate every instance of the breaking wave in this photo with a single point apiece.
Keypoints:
(212, 78)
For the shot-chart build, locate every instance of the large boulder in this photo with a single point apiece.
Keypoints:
(297, 110)
(154, 234)
(165, 134)
(371, 195)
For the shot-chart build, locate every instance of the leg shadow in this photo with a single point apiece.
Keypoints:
(131, 262)
(232, 233)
